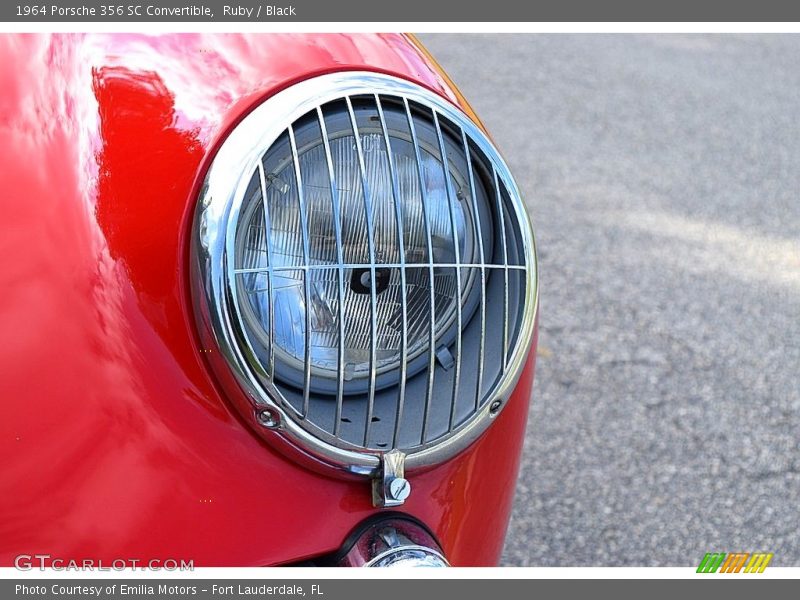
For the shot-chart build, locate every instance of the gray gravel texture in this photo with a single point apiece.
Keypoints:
(662, 173)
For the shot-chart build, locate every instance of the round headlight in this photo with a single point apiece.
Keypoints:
(365, 266)
(305, 239)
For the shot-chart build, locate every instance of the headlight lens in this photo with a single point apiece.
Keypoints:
(301, 242)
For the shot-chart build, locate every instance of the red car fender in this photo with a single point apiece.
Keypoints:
(115, 440)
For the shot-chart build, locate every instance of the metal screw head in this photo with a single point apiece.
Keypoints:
(495, 406)
(269, 418)
(399, 488)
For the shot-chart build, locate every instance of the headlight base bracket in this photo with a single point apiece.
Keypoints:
(390, 488)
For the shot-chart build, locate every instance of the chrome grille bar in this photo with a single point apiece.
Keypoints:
(502, 228)
(448, 184)
(270, 284)
(373, 309)
(419, 265)
(482, 259)
(337, 423)
(402, 253)
(429, 242)
(306, 259)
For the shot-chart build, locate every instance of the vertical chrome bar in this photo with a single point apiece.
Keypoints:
(270, 281)
(373, 341)
(337, 424)
(501, 217)
(476, 219)
(448, 184)
(429, 241)
(402, 254)
(307, 261)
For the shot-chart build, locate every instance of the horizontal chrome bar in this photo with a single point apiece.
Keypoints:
(422, 265)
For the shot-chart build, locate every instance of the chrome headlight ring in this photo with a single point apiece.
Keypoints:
(416, 431)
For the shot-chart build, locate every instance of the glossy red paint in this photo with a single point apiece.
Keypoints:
(114, 439)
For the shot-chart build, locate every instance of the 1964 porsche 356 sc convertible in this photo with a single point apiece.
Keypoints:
(267, 299)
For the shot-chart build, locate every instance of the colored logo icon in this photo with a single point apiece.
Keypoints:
(739, 562)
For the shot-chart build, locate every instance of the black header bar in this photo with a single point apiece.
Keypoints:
(420, 11)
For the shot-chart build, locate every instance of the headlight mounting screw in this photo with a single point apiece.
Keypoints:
(269, 418)
(495, 407)
(399, 489)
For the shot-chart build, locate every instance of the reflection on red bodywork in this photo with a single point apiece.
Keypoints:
(114, 440)
(135, 210)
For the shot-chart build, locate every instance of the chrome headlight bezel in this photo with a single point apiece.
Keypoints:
(214, 287)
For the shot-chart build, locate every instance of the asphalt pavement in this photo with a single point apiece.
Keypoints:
(662, 173)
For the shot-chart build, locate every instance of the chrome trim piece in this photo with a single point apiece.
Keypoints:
(448, 184)
(301, 200)
(405, 556)
(401, 398)
(423, 265)
(394, 542)
(391, 488)
(337, 218)
(482, 257)
(373, 308)
(502, 219)
(429, 241)
(214, 282)
(267, 226)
